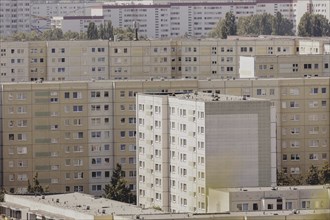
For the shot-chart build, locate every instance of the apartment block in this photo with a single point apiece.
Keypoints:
(268, 199)
(15, 16)
(180, 58)
(191, 18)
(42, 12)
(62, 131)
(71, 60)
(206, 140)
(14, 61)
(109, 108)
(156, 19)
(77, 24)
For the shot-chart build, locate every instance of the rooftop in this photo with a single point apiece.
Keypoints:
(212, 97)
(277, 188)
(85, 203)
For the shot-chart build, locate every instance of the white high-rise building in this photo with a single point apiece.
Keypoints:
(14, 16)
(189, 143)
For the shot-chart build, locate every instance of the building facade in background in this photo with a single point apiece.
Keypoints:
(14, 16)
(157, 19)
(181, 58)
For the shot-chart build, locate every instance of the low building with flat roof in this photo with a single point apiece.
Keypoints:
(268, 199)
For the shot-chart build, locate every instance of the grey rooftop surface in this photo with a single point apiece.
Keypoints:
(88, 204)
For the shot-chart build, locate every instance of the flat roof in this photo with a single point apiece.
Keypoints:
(164, 80)
(87, 204)
(211, 97)
(277, 188)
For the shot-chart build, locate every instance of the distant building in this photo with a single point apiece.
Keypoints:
(15, 16)
(157, 19)
(77, 24)
(206, 141)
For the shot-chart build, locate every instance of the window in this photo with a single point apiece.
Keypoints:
(96, 187)
(97, 174)
(295, 157)
(21, 109)
(96, 134)
(307, 66)
(288, 205)
(270, 206)
(77, 108)
(313, 156)
(293, 104)
(295, 130)
(324, 156)
(284, 157)
(66, 95)
(21, 150)
(21, 137)
(314, 90)
(96, 161)
(261, 91)
(78, 188)
(313, 104)
(305, 204)
(79, 135)
(76, 95)
(77, 148)
(294, 91)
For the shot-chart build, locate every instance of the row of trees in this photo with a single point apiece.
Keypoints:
(266, 24)
(117, 189)
(315, 176)
(313, 25)
(103, 31)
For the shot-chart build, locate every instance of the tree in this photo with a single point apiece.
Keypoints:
(264, 24)
(289, 180)
(92, 31)
(117, 189)
(311, 25)
(281, 26)
(225, 27)
(101, 31)
(2, 195)
(108, 31)
(313, 176)
(124, 34)
(324, 174)
(35, 188)
(71, 35)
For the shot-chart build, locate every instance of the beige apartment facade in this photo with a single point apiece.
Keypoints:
(294, 66)
(176, 58)
(37, 116)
